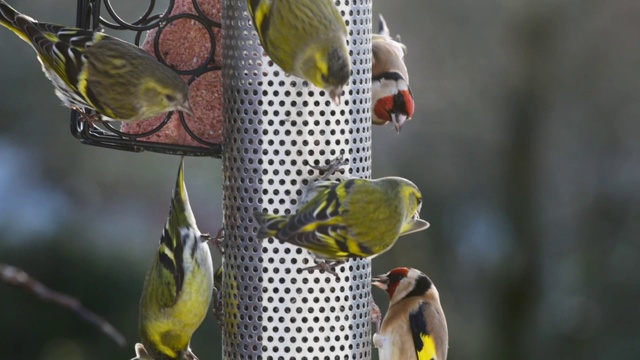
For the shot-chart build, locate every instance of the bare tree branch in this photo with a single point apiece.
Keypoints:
(17, 277)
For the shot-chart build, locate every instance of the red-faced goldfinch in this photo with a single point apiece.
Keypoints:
(414, 327)
(391, 98)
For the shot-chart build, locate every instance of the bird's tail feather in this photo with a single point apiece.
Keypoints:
(181, 212)
(269, 225)
(7, 18)
(383, 29)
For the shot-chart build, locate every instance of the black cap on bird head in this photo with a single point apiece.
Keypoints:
(407, 282)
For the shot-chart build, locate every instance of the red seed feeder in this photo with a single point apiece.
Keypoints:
(185, 36)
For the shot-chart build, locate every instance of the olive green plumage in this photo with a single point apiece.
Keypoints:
(306, 38)
(179, 284)
(93, 70)
(354, 218)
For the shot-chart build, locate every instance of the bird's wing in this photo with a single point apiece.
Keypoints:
(422, 340)
(60, 49)
(319, 226)
(162, 272)
(328, 241)
(172, 272)
(179, 230)
(260, 10)
(324, 209)
(311, 191)
(383, 29)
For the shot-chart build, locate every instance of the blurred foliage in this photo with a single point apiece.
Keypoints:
(526, 131)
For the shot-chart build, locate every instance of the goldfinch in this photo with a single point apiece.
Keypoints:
(391, 98)
(414, 327)
(179, 284)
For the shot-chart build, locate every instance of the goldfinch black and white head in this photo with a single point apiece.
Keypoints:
(392, 100)
(415, 327)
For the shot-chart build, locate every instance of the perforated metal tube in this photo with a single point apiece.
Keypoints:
(275, 126)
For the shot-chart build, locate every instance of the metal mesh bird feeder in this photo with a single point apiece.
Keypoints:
(109, 134)
(276, 125)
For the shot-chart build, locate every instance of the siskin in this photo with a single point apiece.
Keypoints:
(415, 327)
(93, 70)
(306, 38)
(391, 98)
(355, 218)
(179, 284)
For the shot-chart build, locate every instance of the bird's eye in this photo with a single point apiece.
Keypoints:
(170, 98)
(395, 277)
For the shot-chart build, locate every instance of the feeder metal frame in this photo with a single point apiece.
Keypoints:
(88, 17)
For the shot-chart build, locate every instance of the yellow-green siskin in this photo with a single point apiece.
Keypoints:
(306, 38)
(179, 284)
(414, 327)
(93, 70)
(355, 218)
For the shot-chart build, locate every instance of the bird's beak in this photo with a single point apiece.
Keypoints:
(141, 352)
(335, 93)
(186, 108)
(416, 215)
(380, 281)
(398, 120)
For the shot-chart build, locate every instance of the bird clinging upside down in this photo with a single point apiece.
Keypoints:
(391, 99)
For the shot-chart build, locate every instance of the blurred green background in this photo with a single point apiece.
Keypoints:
(525, 145)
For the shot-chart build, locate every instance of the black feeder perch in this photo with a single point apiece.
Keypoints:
(106, 134)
